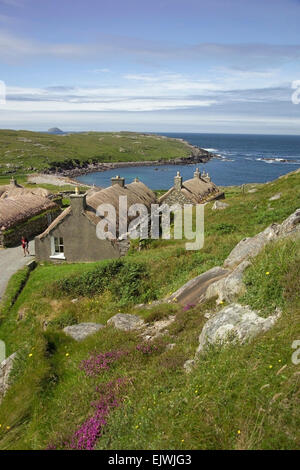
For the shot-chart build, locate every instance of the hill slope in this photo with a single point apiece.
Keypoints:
(238, 397)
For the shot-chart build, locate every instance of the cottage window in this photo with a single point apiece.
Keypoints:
(57, 248)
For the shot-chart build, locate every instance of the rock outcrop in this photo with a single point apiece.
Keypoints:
(228, 287)
(250, 247)
(82, 330)
(194, 290)
(234, 323)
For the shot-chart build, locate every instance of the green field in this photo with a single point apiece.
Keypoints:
(26, 152)
(237, 397)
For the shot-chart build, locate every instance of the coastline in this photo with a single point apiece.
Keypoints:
(197, 155)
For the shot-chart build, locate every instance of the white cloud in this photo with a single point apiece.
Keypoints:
(101, 71)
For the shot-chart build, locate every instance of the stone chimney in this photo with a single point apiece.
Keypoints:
(205, 177)
(78, 202)
(178, 181)
(197, 173)
(118, 180)
(13, 182)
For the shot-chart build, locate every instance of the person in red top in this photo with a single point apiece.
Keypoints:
(24, 243)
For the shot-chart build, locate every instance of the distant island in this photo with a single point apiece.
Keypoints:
(55, 130)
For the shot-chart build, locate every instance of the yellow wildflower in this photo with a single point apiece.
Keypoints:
(267, 273)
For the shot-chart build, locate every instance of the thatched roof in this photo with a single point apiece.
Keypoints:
(197, 190)
(137, 193)
(14, 189)
(24, 192)
(18, 204)
(56, 222)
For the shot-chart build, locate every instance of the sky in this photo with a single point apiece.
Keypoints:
(220, 66)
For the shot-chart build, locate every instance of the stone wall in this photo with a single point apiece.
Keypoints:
(177, 197)
(29, 229)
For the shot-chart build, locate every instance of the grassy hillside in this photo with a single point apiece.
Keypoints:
(239, 397)
(24, 151)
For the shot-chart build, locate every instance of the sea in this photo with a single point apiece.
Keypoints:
(240, 159)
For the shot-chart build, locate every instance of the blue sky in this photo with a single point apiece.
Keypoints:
(162, 66)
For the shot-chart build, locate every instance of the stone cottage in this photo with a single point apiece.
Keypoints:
(197, 190)
(72, 236)
(24, 211)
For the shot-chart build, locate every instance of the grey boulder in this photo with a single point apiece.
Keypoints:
(275, 197)
(189, 365)
(126, 322)
(219, 205)
(234, 323)
(82, 330)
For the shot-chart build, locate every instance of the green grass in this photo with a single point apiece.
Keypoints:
(274, 276)
(42, 151)
(15, 286)
(235, 398)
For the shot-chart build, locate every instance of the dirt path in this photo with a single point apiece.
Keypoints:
(53, 179)
(11, 260)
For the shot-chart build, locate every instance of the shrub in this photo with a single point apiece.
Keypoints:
(127, 281)
(90, 282)
(130, 283)
(224, 228)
